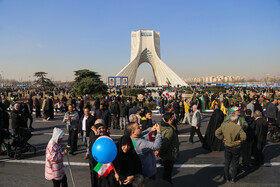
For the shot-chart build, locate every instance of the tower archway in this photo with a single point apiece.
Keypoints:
(145, 47)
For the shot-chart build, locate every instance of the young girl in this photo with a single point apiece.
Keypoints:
(54, 159)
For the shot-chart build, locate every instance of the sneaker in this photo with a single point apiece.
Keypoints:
(48, 118)
(232, 181)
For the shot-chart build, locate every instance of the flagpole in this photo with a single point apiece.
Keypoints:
(116, 172)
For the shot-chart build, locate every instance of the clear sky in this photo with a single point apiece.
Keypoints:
(198, 37)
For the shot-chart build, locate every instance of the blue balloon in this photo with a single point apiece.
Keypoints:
(104, 150)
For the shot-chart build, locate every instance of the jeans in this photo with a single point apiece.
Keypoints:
(187, 116)
(193, 130)
(115, 121)
(86, 141)
(63, 181)
(232, 155)
(122, 122)
(167, 171)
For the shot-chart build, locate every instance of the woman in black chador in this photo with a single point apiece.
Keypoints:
(127, 162)
(212, 143)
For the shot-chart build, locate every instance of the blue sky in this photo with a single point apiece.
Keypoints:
(198, 37)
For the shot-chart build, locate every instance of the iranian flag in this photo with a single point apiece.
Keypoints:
(3, 148)
(103, 169)
(168, 82)
(148, 137)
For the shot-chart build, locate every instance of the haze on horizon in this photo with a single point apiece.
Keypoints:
(198, 38)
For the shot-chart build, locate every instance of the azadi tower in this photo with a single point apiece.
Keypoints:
(145, 47)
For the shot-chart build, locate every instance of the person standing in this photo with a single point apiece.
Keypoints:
(28, 113)
(187, 112)
(232, 135)
(122, 115)
(212, 143)
(45, 109)
(271, 111)
(51, 111)
(37, 108)
(54, 159)
(251, 106)
(260, 138)
(127, 162)
(71, 118)
(145, 149)
(195, 124)
(115, 110)
(103, 113)
(169, 151)
(17, 118)
(85, 124)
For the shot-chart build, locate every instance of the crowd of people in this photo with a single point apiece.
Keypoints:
(240, 127)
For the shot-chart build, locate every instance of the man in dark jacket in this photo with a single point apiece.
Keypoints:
(115, 110)
(260, 138)
(17, 118)
(169, 151)
(37, 108)
(28, 113)
(246, 146)
(271, 111)
(103, 113)
(232, 135)
(84, 128)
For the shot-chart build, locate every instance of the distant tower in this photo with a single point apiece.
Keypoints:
(145, 47)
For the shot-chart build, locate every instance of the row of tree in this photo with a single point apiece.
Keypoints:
(85, 82)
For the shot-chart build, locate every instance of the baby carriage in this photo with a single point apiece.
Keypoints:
(17, 144)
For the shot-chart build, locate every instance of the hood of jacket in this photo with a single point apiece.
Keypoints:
(57, 133)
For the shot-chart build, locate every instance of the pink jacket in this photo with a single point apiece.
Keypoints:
(54, 160)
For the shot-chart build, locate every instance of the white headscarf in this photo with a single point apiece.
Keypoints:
(57, 133)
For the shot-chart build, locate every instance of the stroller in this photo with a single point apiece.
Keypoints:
(17, 144)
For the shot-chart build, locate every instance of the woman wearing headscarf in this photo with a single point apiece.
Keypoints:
(211, 142)
(109, 181)
(127, 162)
(54, 159)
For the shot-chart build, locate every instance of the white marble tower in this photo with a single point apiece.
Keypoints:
(145, 47)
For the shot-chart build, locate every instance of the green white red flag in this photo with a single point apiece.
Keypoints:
(103, 169)
(3, 148)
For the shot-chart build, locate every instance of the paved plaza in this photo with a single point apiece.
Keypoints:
(197, 167)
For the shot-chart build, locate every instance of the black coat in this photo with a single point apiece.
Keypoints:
(105, 115)
(17, 119)
(89, 122)
(211, 142)
(261, 130)
(250, 131)
(108, 181)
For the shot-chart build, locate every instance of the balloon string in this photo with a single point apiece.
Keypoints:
(116, 172)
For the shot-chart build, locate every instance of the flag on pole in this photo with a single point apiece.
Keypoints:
(103, 169)
(168, 82)
(3, 147)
